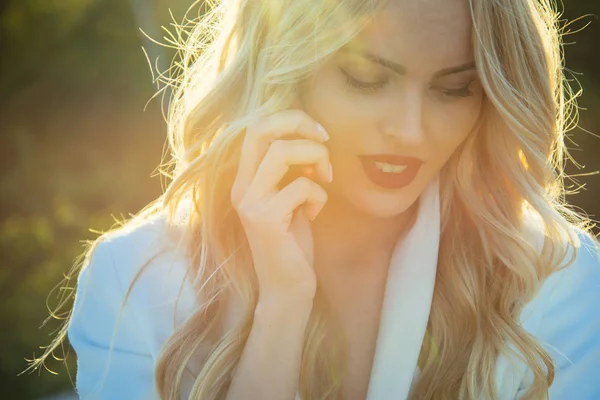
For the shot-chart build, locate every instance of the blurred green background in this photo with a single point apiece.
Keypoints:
(78, 148)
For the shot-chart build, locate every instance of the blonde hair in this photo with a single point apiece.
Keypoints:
(243, 60)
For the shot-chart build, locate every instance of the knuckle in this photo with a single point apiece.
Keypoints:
(256, 128)
(304, 183)
(298, 114)
(234, 189)
(258, 216)
(297, 118)
(278, 146)
(322, 194)
(324, 150)
(236, 194)
(233, 198)
(301, 117)
(247, 211)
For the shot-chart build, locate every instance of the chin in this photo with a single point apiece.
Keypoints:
(361, 194)
(379, 204)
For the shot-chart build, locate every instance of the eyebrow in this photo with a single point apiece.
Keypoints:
(401, 69)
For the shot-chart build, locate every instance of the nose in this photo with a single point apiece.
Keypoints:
(403, 119)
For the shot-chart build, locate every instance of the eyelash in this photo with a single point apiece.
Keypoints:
(366, 86)
(372, 87)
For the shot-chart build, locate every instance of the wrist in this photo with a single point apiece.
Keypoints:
(281, 306)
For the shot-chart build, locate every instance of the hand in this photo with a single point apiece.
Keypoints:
(279, 236)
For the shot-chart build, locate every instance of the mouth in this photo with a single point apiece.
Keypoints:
(390, 171)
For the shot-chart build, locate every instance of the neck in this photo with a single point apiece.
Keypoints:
(347, 238)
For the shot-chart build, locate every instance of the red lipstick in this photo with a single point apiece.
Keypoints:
(391, 180)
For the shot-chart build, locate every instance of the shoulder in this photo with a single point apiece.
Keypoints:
(141, 272)
(565, 318)
(129, 250)
(576, 280)
(575, 287)
(132, 293)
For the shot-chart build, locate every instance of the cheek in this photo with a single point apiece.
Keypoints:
(449, 125)
(323, 100)
(346, 117)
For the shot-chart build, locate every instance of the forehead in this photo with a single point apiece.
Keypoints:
(424, 33)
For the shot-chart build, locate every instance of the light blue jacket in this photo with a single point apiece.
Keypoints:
(564, 315)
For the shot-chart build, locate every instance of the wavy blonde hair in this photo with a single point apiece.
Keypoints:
(243, 59)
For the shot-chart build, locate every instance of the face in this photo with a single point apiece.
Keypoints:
(404, 92)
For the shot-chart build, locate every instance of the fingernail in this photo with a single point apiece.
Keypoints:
(330, 173)
(323, 131)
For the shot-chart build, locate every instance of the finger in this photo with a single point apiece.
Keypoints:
(300, 193)
(260, 135)
(281, 155)
(277, 126)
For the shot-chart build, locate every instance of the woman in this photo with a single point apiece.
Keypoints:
(366, 203)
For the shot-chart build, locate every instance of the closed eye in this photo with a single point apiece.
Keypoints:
(351, 81)
(456, 92)
(361, 85)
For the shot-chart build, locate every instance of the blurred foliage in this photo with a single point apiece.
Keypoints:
(78, 148)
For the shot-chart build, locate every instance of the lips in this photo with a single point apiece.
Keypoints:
(391, 180)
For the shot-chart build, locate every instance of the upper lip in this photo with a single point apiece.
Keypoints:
(394, 159)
